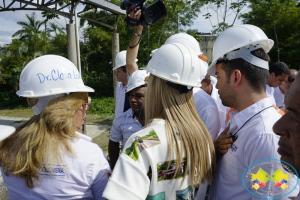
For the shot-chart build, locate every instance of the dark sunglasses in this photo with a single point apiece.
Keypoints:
(290, 79)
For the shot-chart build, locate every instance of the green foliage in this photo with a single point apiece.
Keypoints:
(280, 20)
(102, 105)
(11, 100)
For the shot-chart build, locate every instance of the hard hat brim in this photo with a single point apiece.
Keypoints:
(83, 88)
(212, 68)
(6, 131)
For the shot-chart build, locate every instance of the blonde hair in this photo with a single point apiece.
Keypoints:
(182, 124)
(45, 138)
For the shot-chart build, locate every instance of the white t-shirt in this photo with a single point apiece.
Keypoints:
(208, 111)
(124, 125)
(141, 171)
(256, 141)
(120, 98)
(80, 177)
(270, 94)
(279, 97)
(223, 110)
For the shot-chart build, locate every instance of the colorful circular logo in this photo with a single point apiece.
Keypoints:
(270, 179)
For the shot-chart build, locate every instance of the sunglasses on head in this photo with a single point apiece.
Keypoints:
(290, 79)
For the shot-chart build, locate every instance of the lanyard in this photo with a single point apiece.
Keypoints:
(234, 135)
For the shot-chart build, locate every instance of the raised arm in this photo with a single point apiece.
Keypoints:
(133, 47)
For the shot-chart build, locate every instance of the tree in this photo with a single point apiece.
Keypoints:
(31, 34)
(222, 10)
(29, 29)
(280, 20)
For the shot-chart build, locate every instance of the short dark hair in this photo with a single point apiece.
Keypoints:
(278, 68)
(124, 68)
(256, 76)
(207, 77)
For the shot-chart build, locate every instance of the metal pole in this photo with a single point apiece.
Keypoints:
(77, 38)
(115, 51)
(71, 43)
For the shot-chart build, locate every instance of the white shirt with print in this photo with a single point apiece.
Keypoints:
(141, 171)
(256, 141)
(81, 177)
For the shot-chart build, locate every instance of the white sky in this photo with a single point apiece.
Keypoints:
(9, 19)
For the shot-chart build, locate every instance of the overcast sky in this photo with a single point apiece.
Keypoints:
(9, 19)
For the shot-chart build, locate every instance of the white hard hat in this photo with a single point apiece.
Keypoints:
(48, 77)
(120, 60)
(178, 64)
(153, 52)
(136, 79)
(246, 38)
(185, 39)
(6, 131)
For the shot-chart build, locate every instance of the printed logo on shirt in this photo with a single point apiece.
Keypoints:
(53, 170)
(165, 172)
(159, 196)
(142, 143)
(186, 194)
(270, 178)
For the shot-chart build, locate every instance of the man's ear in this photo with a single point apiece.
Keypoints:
(273, 74)
(236, 77)
(208, 81)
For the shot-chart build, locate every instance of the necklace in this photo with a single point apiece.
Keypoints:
(234, 135)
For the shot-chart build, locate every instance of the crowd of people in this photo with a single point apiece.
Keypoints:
(182, 130)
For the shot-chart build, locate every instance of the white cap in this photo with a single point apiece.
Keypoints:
(245, 38)
(136, 79)
(48, 77)
(179, 64)
(120, 60)
(6, 131)
(186, 39)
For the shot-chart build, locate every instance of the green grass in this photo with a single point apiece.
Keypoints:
(102, 105)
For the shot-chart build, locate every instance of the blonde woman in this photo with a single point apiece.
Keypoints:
(173, 157)
(47, 157)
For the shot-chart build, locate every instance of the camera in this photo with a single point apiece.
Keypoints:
(150, 14)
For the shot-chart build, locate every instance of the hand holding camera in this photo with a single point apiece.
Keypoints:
(148, 15)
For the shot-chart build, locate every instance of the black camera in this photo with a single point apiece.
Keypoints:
(150, 14)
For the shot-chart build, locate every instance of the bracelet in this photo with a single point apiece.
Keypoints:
(137, 34)
(141, 35)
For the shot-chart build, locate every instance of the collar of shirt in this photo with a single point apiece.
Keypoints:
(84, 137)
(239, 118)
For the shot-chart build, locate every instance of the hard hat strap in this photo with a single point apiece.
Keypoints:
(182, 88)
(42, 103)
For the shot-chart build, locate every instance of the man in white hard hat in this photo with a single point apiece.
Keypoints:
(280, 91)
(122, 101)
(131, 121)
(279, 73)
(240, 62)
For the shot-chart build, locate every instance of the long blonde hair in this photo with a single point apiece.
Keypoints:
(43, 139)
(182, 124)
